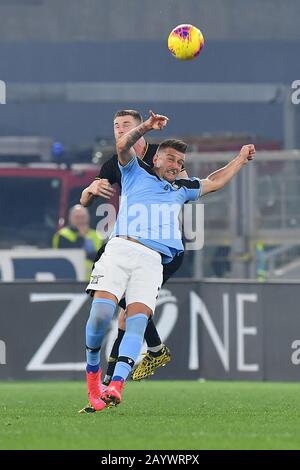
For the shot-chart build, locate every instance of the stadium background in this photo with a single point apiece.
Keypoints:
(231, 312)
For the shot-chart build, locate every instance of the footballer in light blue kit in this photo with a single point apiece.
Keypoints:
(146, 235)
(150, 206)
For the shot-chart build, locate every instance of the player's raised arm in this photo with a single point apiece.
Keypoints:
(125, 143)
(219, 178)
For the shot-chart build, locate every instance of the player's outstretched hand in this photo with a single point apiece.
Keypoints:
(247, 153)
(102, 188)
(157, 121)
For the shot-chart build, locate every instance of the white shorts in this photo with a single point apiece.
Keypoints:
(130, 268)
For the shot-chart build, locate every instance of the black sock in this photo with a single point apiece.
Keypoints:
(112, 361)
(157, 353)
(152, 337)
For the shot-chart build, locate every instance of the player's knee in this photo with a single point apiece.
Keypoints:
(101, 294)
(101, 313)
(136, 325)
(138, 307)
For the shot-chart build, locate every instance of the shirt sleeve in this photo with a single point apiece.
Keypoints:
(129, 172)
(129, 166)
(193, 189)
(108, 171)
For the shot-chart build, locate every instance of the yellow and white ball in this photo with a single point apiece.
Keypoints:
(185, 42)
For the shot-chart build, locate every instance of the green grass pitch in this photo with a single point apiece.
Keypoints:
(157, 415)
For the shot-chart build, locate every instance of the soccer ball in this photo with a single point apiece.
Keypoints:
(185, 42)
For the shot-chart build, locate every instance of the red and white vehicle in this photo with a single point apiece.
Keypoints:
(36, 195)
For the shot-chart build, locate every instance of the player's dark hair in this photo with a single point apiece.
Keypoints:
(129, 112)
(175, 144)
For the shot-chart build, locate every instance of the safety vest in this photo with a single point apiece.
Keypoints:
(72, 237)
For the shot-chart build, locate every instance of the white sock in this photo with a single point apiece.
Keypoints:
(156, 348)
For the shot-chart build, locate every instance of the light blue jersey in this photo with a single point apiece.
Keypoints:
(150, 208)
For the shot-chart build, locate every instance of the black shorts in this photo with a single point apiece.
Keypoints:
(99, 254)
(168, 271)
(171, 268)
